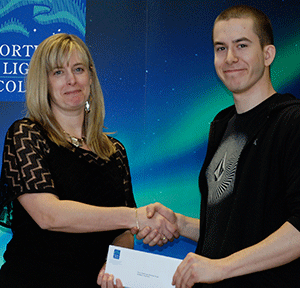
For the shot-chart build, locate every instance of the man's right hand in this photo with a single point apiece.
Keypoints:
(158, 236)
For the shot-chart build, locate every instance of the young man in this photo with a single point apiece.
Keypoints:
(250, 179)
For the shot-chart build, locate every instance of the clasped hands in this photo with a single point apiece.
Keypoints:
(158, 225)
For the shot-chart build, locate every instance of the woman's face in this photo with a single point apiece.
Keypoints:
(69, 85)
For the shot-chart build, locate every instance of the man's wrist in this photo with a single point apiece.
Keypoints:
(180, 222)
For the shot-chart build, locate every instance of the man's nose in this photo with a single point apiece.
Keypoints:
(231, 57)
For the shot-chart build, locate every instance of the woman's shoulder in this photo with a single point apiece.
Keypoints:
(24, 125)
(26, 130)
(118, 144)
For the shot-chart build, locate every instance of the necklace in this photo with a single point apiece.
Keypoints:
(77, 142)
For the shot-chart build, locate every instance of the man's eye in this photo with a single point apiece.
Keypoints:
(220, 49)
(242, 45)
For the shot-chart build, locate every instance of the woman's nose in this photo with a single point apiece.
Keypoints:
(71, 80)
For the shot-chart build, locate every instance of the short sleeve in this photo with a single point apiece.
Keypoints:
(123, 164)
(24, 166)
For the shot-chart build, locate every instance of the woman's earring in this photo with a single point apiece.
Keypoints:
(87, 107)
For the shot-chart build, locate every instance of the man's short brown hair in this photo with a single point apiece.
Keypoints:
(262, 24)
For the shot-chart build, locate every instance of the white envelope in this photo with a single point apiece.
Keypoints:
(137, 269)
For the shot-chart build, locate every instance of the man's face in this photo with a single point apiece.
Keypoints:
(239, 57)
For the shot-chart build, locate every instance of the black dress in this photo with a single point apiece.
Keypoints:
(34, 164)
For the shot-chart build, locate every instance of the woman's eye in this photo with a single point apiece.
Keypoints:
(57, 72)
(79, 69)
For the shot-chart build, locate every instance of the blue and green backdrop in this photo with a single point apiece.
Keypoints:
(154, 59)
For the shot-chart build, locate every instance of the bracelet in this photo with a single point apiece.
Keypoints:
(136, 219)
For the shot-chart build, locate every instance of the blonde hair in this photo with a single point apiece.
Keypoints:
(52, 53)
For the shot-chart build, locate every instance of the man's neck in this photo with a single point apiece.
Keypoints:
(250, 99)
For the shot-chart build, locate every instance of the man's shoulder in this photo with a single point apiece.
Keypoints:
(287, 106)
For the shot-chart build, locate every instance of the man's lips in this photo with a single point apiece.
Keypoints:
(228, 71)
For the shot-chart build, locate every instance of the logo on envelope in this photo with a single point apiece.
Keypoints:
(117, 254)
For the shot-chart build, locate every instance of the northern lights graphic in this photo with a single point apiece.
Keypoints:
(154, 60)
(43, 12)
(155, 63)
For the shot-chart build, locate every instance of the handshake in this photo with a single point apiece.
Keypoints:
(156, 224)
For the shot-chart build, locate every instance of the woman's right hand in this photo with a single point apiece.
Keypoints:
(158, 224)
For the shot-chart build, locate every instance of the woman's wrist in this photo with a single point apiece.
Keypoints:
(133, 219)
(137, 224)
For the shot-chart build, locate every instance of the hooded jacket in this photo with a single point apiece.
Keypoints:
(266, 192)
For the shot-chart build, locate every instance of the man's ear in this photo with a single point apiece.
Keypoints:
(269, 54)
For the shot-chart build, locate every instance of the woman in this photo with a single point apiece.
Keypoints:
(66, 188)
